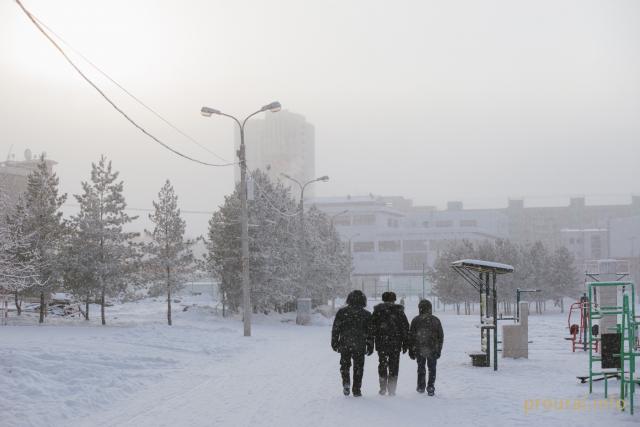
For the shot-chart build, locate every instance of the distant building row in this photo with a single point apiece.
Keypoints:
(393, 242)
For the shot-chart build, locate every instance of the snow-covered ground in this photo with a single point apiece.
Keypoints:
(202, 372)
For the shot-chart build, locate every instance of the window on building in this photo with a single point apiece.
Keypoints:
(393, 223)
(444, 223)
(414, 245)
(468, 223)
(364, 219)
(389, 245)
(342, 220)
(364, 246)
(414, 261)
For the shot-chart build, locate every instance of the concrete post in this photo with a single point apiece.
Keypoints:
(303, 312)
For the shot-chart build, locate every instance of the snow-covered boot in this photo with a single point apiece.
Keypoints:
(383, 386)
(346, 388)
(431, 390)
(393, 382)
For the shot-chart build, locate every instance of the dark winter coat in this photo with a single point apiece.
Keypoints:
(389, 327)
(425, 334)
(350, 332)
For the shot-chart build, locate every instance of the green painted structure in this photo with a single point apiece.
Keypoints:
(626, 330)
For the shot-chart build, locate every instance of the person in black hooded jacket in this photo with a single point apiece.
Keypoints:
(390, 329)
(425, 344)
(350, 337)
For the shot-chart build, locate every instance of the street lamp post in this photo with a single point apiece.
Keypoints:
(353, 236)
(302, 186)
(244, 214)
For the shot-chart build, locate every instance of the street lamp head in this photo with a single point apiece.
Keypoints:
(285, 175)
(324, 178)
(208, 112)
(274, 107)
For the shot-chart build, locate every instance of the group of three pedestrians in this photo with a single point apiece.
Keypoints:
(356, 333)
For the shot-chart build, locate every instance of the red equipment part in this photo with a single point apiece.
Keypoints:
(577, 330)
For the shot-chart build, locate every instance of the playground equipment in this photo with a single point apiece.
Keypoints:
(578, 331)
(618, 350)
(482, 275)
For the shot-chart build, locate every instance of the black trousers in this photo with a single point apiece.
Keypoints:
(358, 368)
(388, 364)
(431, 363)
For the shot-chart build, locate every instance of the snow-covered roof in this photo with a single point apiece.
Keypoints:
(481, 265)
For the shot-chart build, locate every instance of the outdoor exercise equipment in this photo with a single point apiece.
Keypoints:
(618, 351)
(578, 331)
(482, 276)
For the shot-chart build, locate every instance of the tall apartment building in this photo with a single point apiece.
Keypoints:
(282, 142)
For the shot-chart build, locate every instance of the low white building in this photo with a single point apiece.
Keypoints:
(393, 243)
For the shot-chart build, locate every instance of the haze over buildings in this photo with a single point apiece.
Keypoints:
(281, 143)
(456, 100)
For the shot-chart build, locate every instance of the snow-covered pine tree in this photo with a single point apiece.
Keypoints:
(17, 263)
(564, 277)
(447, 284)
(328, 264)
(535, 272)
(170, 257)
(273, 247)
(38, 219)
(108, 257)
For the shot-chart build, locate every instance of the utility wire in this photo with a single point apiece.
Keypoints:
(118, 109)
(131, 95)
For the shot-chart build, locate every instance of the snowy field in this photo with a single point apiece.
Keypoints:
(202, 372)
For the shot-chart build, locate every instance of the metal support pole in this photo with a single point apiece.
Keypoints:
(495, 324)
(423, 280)
(244, 219)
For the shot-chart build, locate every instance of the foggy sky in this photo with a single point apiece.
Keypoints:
(433, 100)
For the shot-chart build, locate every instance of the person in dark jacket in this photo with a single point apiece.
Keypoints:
(390, 329)
(425, 345)
(350, 337)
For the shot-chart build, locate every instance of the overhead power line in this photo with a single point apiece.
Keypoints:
(131, 95)
(35, 22)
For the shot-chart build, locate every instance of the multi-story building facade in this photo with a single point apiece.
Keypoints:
(282, 142)
(530, 224)
(393, 243)
(624, 243)
(391, 240)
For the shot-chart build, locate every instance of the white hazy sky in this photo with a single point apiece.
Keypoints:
(433, 100)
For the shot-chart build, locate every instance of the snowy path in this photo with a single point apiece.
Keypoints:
(202, 372)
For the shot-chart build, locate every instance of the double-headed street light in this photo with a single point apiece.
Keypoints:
(302, 186)
(244, 215)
